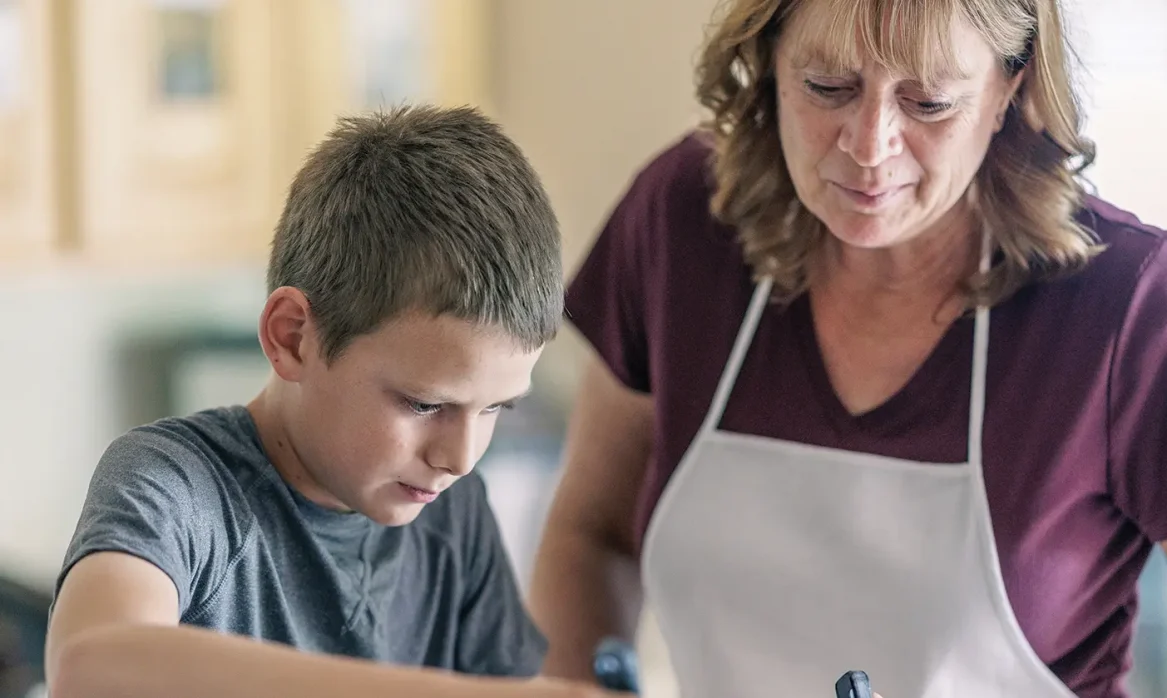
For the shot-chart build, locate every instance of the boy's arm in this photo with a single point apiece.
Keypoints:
(115, 632)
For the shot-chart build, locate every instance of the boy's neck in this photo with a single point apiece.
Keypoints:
(273, 435)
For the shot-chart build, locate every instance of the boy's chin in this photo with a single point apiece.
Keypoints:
(395, 514)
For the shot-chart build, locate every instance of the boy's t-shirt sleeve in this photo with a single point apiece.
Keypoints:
(142, 501)
(497, 637)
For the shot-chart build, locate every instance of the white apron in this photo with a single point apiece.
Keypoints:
(773, 567)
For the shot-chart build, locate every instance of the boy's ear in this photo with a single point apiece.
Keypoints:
(286, 333)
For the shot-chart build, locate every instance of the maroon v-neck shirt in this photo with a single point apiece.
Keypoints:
(1075, 433)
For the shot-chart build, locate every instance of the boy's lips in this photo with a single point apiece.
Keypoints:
(419, 494)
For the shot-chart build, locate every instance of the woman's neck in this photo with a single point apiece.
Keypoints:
(922, 276)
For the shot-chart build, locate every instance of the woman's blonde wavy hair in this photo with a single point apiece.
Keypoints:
(1027, 190)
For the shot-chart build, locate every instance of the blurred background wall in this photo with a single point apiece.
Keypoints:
(145, 147)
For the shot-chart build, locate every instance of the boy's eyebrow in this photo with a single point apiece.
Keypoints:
(439, 399)
(516, 398)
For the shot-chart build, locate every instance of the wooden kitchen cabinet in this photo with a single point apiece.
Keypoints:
(181, 122)
(178, 134)
(28, 206)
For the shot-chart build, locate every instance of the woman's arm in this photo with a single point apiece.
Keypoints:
(587, 583)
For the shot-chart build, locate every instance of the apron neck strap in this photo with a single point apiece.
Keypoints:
(761, 297)
(745, 336)
(976, 411)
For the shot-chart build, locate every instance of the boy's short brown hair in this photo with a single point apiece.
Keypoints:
(420, 208)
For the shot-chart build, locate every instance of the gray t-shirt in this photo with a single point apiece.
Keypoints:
(198, 498)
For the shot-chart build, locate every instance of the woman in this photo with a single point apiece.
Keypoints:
(915, 423)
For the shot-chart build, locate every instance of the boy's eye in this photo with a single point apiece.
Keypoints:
(422, 408)
(426, 409)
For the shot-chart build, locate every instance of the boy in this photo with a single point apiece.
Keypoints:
(414, 278)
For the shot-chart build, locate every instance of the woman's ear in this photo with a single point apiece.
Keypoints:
(1010, 97)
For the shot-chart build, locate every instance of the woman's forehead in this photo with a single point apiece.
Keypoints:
(928, 40)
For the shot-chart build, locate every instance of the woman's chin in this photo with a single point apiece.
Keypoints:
(868, 232)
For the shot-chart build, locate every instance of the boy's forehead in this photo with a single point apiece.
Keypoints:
(445, 357)
(449, 332)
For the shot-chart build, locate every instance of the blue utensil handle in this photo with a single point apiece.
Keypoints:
(615, 667)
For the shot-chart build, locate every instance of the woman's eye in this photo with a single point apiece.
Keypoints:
(932, 107)
(824, 90)
(927, 107)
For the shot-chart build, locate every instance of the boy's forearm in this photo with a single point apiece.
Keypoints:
(184, 662)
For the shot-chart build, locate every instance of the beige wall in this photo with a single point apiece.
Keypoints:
(591, 90)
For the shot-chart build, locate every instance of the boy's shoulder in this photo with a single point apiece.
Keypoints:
(219, 429)
(194, 447)
(173, 492)
(200, 471)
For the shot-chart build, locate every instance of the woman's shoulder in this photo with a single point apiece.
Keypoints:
(1127, 278)
(661, 265)
(1105, 217)
(1131, 244)
(662, 232)
(670, 196)
(682, 166)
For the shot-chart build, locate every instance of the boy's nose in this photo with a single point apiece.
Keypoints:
(453, 448)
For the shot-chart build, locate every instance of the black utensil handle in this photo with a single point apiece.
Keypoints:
(853, 684)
